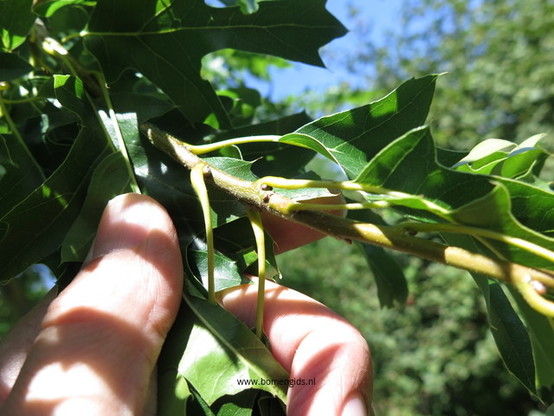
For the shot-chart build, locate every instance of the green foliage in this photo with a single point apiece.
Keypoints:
(497, 56)
(433, 355)
(80, 83)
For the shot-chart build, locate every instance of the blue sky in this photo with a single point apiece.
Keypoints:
(379, 15)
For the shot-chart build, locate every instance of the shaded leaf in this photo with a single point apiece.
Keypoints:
(273, 159)
(509, 333)
(110, 178)
(36, 227)
(166, 41)
(541, 333)
(389, 277)
(162, 178)
(391, 282)
(19, 173)
(173, 390)
(12, 67)
(226, 272)
(240, 404)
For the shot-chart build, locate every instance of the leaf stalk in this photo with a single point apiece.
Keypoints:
(199, 185)
(258, 228)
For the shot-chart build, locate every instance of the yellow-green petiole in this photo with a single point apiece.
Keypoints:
(211, 147)
(257, 226)
(199, 185)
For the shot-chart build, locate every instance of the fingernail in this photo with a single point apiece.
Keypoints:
(126, 223)
(355, 406)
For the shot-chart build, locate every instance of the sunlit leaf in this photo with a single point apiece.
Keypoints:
(409, 165)
(16, 20)
(353, 137)
(503, 158)
(223, 347)
(493, 212)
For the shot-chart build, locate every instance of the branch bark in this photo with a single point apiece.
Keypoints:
(262, 199)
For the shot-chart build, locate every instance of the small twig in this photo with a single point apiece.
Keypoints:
(392, 237)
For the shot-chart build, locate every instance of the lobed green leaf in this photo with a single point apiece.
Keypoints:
(166, 41)
(352, 138)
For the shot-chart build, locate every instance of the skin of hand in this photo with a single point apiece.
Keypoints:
(92, 349)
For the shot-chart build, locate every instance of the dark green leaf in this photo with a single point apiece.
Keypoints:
(353, 137)
(241, 404)
(541, 333)
(37, 226)
(199, 404)
(165, 180)
(110, 178)
(166, 41)
(12, 67)
(16, 20)
(235, 167)
(226, 272)
(20, 173)
(509, 333)
(173, 390)
(269, 406)
(275, 159)
(389, 277)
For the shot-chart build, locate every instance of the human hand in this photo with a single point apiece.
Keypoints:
(93, 348)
